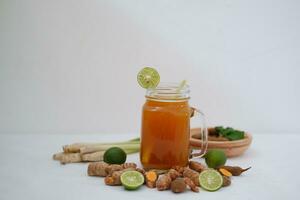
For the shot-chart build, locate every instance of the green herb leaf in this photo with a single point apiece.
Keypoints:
(230, 133)
(236, 135)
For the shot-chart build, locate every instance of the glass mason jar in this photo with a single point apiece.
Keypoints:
(165, 131)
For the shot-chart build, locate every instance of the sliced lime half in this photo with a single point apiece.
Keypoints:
(210, 180)
(148, 77)
(132, 180)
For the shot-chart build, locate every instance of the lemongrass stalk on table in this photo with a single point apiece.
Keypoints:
(86, 152)
(75, 148)
(98, 155)
(65, 158)
(104, 147)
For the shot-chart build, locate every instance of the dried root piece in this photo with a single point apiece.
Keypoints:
(58, 156)
(70, 158)
(198, 167)
(112, 168)
(104, 169)
(74, 148)
(160, 171)
(142, 171)
(179, 169)
(150, 178)
(67, 157)
(178, 185)
(98, 169)
(226, 181)
(163, 182)
(109, 180)
(193, 175)
(115, 178)
(173, 174)
(129, 165)
(93, 157)
(191, 184)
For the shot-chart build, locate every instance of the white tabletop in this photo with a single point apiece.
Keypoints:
(27, 171)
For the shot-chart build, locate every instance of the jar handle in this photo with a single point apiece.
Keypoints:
(203, 133)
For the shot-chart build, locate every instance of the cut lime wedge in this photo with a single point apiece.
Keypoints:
(132, 180)
(210, 180)
(148, 78)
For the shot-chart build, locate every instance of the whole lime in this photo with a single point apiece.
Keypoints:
(215, 158)
(114, 155)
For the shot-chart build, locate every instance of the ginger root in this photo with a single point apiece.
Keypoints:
(115, 178)
(142, 171)
(163, 182)
(112, 168)
(69, 158)
(192, 174)
(128, 165)
(179, 169)
(58, 156)
(173, 174)
(198, 167)
(150, 178)
(191, 184)
(178, 185)
(112, 173)
(74, 148)
(98, 169)
(109, 180)
(103, 169)
(226, 181)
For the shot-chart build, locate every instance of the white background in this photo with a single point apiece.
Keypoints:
(70, 66)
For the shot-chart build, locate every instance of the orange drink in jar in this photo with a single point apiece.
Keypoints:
(165, 130)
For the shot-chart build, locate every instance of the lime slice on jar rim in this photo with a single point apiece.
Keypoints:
(132, 180)
(210, 180)
(148, 77)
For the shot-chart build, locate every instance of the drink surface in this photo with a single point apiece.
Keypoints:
(165, 134)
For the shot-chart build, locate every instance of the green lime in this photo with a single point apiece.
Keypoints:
(215, 158)
(132, 180)
(210, 180)
(148, 77)
(114, 155)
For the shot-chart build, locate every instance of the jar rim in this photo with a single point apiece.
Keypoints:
(169, 91)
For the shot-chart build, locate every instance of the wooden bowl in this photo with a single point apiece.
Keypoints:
(231, 148)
